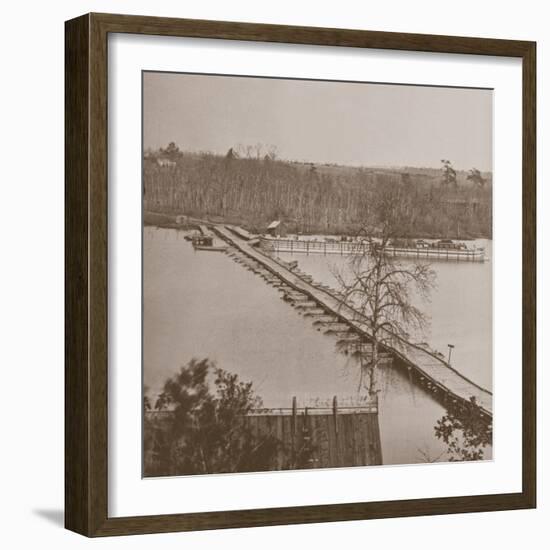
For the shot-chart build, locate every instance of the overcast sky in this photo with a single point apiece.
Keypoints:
(318, 121)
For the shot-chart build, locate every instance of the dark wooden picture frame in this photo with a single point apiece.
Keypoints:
(86, 268)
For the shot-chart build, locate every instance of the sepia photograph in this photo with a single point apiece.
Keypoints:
(317, 281)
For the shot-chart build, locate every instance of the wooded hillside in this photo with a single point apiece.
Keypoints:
(313, 198)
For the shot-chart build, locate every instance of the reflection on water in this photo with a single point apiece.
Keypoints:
(202, 304)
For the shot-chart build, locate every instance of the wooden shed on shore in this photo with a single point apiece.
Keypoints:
(274, 228)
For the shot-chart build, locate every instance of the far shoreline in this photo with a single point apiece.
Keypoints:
(183, 222)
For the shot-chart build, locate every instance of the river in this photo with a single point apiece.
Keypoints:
(202, 304)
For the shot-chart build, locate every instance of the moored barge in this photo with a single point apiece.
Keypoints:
(206, 242)
(444, 249)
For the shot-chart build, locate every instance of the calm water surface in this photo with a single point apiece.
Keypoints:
(202, 304)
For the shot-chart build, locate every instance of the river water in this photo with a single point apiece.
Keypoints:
(202, 304)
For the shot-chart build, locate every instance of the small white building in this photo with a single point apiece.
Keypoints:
(166, 162)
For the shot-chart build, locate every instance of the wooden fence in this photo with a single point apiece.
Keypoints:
(321, 437)
(307, 437)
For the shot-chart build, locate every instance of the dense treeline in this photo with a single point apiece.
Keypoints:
(312, 198)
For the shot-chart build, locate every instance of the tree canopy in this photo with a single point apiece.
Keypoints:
(203, 429)
(449, 173)
(465, 432)
(474, 175)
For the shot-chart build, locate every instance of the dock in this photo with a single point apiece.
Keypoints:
(240, 232)
(205, 231)
(430, 370)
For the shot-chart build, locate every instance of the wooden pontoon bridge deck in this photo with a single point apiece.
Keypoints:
(435, 373)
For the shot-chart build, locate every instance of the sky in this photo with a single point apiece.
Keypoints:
(359, 124)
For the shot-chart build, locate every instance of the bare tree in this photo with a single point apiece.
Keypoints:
(258, 148)
(244, 151)
(240, 150)
(272, 152)
(378, 287)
